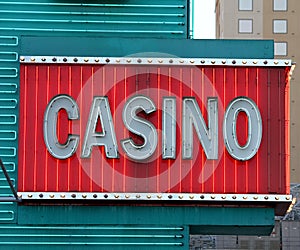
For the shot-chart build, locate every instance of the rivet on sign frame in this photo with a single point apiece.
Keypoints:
(54, 59)
(149, 61)
(159, 196)
(128, 60)
(32, 59)
(139, 60)
(192, 61)
(51, 196)
(213, 62)
(160, 61)
(202, 61)
(212, 197)
(118, 60)
(181, 61)
(255, 197)
(191, 197)
(287, 198)
(138, 196)
(275, 62)
(22, 58)
(97, 60)
(149, 196)
(180, 197)
(127, 196)
(75, 59)
(84, 196)
(234, 197)
(223, 197)
(266, 197)
(43, 59)
(29, 196)
(65, 59)
(86, 59)
(224, 62)
(117, 196)
(62, 196)
(245, 197)
(276, 198)
(244, 62)
(286, 62)
(254, 62)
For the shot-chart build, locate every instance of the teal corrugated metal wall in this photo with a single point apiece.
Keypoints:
(89, 18)
(135, 18)
(92, 237)
(131, 18)
(8, 120)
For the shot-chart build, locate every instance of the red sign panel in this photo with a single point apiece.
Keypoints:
(153, 126)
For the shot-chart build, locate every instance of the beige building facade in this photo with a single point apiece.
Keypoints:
(269, 19)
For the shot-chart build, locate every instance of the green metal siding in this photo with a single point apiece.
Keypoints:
(154, 215)
(93, 237)
(110, 47)
(8, 120)
(131, 18)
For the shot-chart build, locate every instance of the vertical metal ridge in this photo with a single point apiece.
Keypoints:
(287, 128)
(35, 126)
(247, 163)
(257, 158)
(281, 133)
(235, 163)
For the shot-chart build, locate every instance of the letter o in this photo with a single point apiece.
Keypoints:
(246, 152)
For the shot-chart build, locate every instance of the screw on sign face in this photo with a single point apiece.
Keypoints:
(121, 126)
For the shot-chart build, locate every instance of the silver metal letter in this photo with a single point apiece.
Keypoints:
(140, 127)
(208, 136)
(55, 148)
(251, 147)
(169, 128)
(107, 138)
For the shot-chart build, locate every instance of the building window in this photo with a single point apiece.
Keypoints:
(245, 5)
(279, 5)
(279, 26)
(280, 48)
(246, 26)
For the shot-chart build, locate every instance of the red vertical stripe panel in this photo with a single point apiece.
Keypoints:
(266, 172)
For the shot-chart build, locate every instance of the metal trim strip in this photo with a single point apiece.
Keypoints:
(154, 197)
(155, 61)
